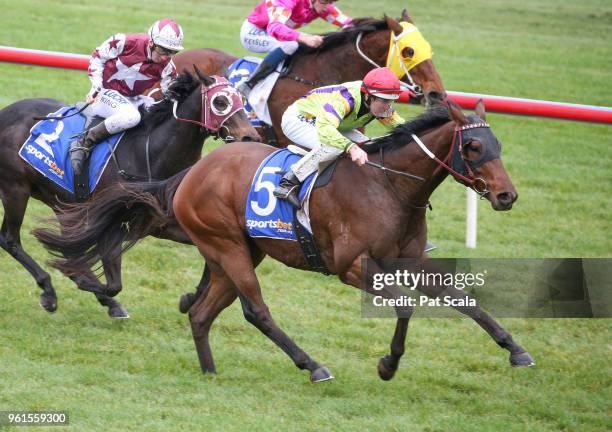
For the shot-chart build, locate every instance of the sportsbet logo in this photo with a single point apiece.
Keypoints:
(273, 224)
(41, 156)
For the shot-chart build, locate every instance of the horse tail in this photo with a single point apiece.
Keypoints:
(110, 223)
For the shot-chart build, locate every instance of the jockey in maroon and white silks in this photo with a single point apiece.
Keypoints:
(121, 70)
(126, 65)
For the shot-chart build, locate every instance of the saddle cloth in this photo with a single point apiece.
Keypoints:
(267, 216)
(257, 105)
(47, 149)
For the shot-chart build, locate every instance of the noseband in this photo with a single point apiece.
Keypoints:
(213, 119)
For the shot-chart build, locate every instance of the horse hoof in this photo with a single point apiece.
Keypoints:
(521, 359)
(321, 374)
(186, 302)
(118, 312)
(48, 303)
(385, 373)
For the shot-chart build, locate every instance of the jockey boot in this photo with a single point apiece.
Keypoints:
(287, 189)
(265, 68)
(80, 149)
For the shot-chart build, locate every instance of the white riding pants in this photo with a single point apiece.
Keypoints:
(120, 112)
(302, 131)
(257, 40)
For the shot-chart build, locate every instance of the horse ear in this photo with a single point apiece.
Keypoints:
(205, 79)
(406, 17)
(394, 26)
(480, 109)
(456, 113)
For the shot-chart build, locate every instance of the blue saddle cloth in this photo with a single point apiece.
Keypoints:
(46, 149)
(238, 72)
(267, 216)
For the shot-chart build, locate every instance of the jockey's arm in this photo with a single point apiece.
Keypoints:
(336, 17)
(110, 49)
(327, 122)
(278, 15)
(167, 75)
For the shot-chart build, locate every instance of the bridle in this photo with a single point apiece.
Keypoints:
(394, 49)
(213, 118)
(463, 174)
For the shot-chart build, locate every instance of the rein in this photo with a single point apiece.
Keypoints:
(478, 184)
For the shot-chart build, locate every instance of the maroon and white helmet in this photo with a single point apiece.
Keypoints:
(167, 34)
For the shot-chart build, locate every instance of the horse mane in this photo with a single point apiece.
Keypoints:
(402, 134)
(338, 38)
(180, 88)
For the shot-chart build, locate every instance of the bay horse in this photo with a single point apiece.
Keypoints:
(336, 61)
(158, 148)
(364, 213)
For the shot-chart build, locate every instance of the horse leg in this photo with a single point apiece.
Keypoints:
(518, 355)
(387, 366)
(87, 281)
(15, 202)
(220, 293)
(188, 299)
(238, 265)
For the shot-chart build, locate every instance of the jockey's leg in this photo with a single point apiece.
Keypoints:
(257, 40)
(289, 185)
(119, 113)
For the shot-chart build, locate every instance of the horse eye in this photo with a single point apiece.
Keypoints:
(408, 52)
(220, 103)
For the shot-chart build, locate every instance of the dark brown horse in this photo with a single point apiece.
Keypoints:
(158, 148)
(337, 60)
(362, 213)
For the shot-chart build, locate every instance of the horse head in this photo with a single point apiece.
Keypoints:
(410, 55)
(476, 155)
(217, 108)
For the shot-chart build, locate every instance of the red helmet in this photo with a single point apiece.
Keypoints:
(382, 83)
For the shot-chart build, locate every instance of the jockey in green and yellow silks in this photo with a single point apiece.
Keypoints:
(325, 120)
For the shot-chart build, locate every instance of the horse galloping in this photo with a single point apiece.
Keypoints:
(342, 213)
(156, 149)
(344, 56)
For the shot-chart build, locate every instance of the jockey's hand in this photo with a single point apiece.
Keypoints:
(312, 41)
(358, 156)
(93, 95)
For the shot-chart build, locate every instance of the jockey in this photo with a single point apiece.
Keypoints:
(121, 70)
(271, 28)
(325, 120)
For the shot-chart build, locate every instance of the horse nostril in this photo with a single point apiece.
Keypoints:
(434, 97)
(248, 138)
(506, 198)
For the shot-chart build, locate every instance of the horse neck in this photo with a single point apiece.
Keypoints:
(412, 159)
(176, 145)
(344, 63)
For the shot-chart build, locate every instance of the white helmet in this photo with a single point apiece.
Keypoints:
(167, 34)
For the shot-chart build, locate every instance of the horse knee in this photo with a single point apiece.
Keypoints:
(113, 288)
(249, 315)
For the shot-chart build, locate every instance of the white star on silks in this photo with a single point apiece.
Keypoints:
(129, 74)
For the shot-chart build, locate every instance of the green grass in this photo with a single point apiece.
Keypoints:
(143, 374)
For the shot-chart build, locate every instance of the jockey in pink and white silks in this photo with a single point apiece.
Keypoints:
(326, 120)
(121, 70)
(272, 28)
